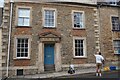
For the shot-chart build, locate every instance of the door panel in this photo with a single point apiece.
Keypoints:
(49, 54)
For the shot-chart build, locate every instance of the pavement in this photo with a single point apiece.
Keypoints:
(57, 74)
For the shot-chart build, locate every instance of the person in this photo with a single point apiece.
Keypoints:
(71, 69)
(99, 62)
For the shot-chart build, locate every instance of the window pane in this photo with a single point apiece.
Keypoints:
(26, 22)
(26, 45)
(26, 54)
(24, 13)
(20, 21)
(18, 54)
(22, 55)
(26, 50)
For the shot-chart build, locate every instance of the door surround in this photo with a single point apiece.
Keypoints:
(49, 38)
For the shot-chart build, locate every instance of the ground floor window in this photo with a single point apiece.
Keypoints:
(79, 47)
(116, 46)
(22, 47)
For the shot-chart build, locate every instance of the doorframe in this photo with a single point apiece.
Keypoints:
(53, 55)
(57, 57)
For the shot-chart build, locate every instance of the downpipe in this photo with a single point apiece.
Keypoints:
(9, 38)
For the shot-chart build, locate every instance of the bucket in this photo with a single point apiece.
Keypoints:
(106, 68)
(112, 67)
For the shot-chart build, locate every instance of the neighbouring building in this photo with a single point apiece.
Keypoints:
(109, 18)
(1, 17)
(42, 36)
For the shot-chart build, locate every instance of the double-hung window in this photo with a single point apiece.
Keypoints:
(115, 23)
(116, 46)
(78, 20)
(79, 47)
(49, 18)
(22, 47)
(23, 17)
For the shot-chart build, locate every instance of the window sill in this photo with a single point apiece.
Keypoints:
(78, 28)
(116, 30)
(23, 27)
(81, 57)
(21, 58)
(49, 27)
(116, 54)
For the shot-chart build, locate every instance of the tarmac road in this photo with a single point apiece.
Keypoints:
(110, 75)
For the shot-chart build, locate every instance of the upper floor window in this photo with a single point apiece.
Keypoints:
(115, 23)
(117, 46)
(79, 47)
(78, 20)
(23, 17)
(49, 18)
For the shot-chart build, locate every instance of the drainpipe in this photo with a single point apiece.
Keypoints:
(9, 38)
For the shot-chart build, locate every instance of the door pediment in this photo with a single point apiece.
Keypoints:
(50, 36)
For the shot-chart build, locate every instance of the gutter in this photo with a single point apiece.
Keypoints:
(9, 38)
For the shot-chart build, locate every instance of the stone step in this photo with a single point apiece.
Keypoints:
(49, 68)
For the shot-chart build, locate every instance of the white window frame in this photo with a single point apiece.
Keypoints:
(17, 16)
(84, 47)
(83, 19)
(116, 46)
(15, 46)
(112, 23)
(55, 17)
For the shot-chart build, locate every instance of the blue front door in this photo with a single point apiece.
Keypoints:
(49, 54)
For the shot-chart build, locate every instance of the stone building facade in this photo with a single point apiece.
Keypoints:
(110, 33)
(39, 37)
(1, 16)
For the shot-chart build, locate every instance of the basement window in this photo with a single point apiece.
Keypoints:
(19, 72)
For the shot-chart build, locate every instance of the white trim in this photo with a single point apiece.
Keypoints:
(83, 15)
(15, 46)
(23, 7)
(112, 31)
(111, 20)
(118, 39)
(84, 47)
(43, 17)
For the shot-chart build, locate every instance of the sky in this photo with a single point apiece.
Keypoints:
(1, 3)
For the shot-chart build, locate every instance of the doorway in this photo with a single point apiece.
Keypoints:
(49, 64)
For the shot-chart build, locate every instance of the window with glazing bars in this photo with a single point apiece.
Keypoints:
(22, 47)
